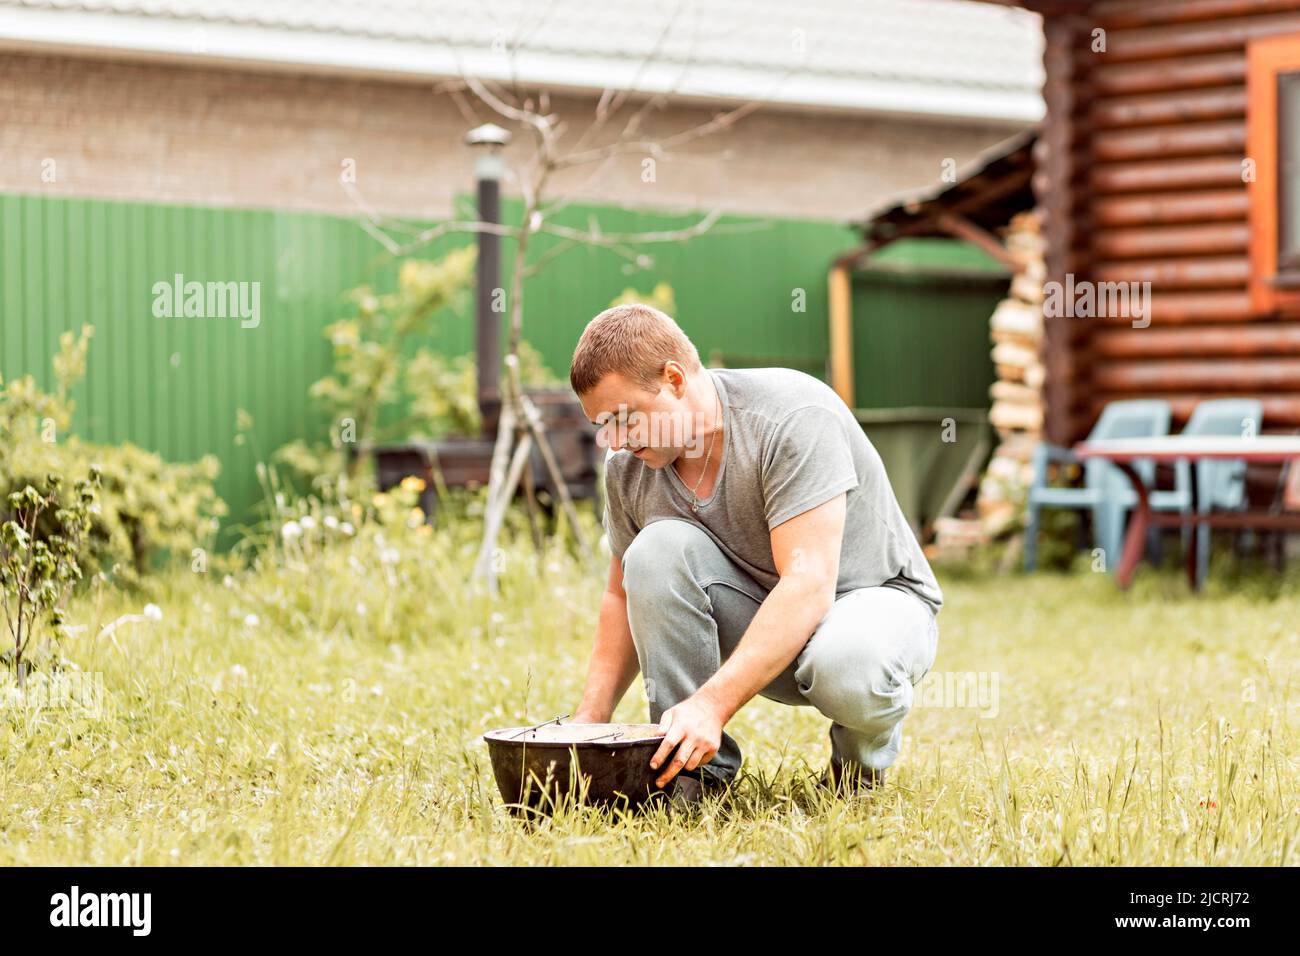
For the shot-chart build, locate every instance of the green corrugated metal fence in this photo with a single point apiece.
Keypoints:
(174, 385)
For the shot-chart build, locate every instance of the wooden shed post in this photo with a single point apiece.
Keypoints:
(841, 328)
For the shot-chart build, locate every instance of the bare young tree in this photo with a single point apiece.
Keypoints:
(594, 149)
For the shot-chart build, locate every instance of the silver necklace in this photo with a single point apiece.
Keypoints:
(717, 409)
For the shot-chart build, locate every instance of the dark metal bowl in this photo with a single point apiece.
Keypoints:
(537, 768)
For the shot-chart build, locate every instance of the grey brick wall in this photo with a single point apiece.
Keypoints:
(168, 133)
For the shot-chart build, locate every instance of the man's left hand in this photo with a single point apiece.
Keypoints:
(694, 728)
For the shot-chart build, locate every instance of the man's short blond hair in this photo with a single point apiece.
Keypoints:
(635, 341)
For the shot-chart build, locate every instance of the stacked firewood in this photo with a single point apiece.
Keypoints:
(1017, 413)
(1016, 330)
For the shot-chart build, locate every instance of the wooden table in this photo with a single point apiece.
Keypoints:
(1122, 452)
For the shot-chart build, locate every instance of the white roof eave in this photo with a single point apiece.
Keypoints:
(234, 45)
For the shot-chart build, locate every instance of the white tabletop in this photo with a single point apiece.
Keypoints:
(1259, 448)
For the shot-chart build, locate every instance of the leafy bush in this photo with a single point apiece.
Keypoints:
(38, 570)
(370, 359)
(381, 391)
(147, 507)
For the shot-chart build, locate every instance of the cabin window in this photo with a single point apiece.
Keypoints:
(1288, 165)
(1272, 172)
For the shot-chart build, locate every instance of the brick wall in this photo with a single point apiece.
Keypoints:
(164, 133)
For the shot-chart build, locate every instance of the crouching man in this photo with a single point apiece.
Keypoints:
(757, 548)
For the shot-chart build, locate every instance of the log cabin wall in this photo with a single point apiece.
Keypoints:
(1060, 156)
(1140, 177)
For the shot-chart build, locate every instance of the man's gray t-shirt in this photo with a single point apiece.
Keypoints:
(791, 445)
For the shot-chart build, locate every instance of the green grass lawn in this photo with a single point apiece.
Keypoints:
(327, 710)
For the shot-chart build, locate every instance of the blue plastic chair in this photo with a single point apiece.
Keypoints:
(1220, 483)
(1107, 491)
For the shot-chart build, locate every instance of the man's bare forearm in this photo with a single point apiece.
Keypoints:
(614, 663)
(778, 631)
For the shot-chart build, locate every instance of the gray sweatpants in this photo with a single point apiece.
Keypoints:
(688, 605)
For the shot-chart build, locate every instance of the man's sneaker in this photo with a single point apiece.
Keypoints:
(852, 777)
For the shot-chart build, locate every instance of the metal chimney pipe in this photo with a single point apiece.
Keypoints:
(487, 325)
(488, 169)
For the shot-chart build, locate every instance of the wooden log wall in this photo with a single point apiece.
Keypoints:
(1141, 178)
(1060, 157)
